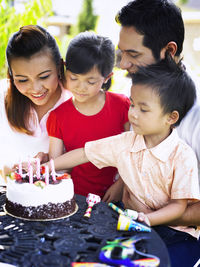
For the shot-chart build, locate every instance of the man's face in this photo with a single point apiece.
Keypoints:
(133, 52)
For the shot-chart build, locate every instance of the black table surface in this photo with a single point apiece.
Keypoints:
(73, 239)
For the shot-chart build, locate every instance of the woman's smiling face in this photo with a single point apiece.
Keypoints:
(36, 77)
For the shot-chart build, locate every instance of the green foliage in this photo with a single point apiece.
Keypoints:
(183, 2)
(86, 19)
(11, 21)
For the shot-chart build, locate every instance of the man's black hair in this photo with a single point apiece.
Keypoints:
(159, 21)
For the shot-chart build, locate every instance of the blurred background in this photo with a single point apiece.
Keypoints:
(65, 18)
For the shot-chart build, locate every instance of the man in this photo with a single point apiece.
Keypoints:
(150, 31)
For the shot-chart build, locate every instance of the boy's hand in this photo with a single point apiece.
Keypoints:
(143, 218)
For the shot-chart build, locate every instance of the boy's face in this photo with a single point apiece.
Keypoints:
(133, 52)
(145, 113)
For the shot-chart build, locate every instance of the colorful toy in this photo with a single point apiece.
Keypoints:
(122, 251)
(91, 199)
(89, 264)
(126, 220)
(126, 223)
(131, 213)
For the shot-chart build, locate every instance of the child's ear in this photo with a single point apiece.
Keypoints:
(108, 77)
(173, 117)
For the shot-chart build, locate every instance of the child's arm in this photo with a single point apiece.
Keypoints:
(56, 147)
(173, 210)
(115, 191)
(70, 159)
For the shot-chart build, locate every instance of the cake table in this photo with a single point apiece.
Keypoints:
(61, 242)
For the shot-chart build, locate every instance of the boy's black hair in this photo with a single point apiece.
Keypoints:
(87, 50)
(159, 21)
(171, 83)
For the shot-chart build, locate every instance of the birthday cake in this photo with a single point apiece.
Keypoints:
(43, 197)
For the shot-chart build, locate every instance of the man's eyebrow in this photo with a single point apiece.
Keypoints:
(129, 50)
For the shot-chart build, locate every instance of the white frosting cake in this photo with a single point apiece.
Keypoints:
(38, 200)
(27, 194)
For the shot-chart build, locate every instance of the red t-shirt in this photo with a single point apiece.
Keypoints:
(75, 129)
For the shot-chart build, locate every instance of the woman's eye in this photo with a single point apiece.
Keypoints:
(44, 77)
(22, 81)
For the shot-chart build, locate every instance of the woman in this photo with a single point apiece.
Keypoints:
(35, 76)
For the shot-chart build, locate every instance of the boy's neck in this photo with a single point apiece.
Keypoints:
(154, 140)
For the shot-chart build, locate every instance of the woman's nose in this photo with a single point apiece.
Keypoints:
(37, 86)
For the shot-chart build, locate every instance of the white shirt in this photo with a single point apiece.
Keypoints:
(15, 146)
(189, 130)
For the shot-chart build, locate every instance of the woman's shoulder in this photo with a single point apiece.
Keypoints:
(3, 88)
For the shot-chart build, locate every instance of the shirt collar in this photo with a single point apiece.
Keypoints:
(39, 127)
(162, 151)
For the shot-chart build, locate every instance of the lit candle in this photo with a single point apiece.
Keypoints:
(53, 173)
(30, 174)
(47, 174)
(38, 168)
(20, 167)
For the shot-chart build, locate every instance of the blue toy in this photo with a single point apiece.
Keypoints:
(122, 252)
